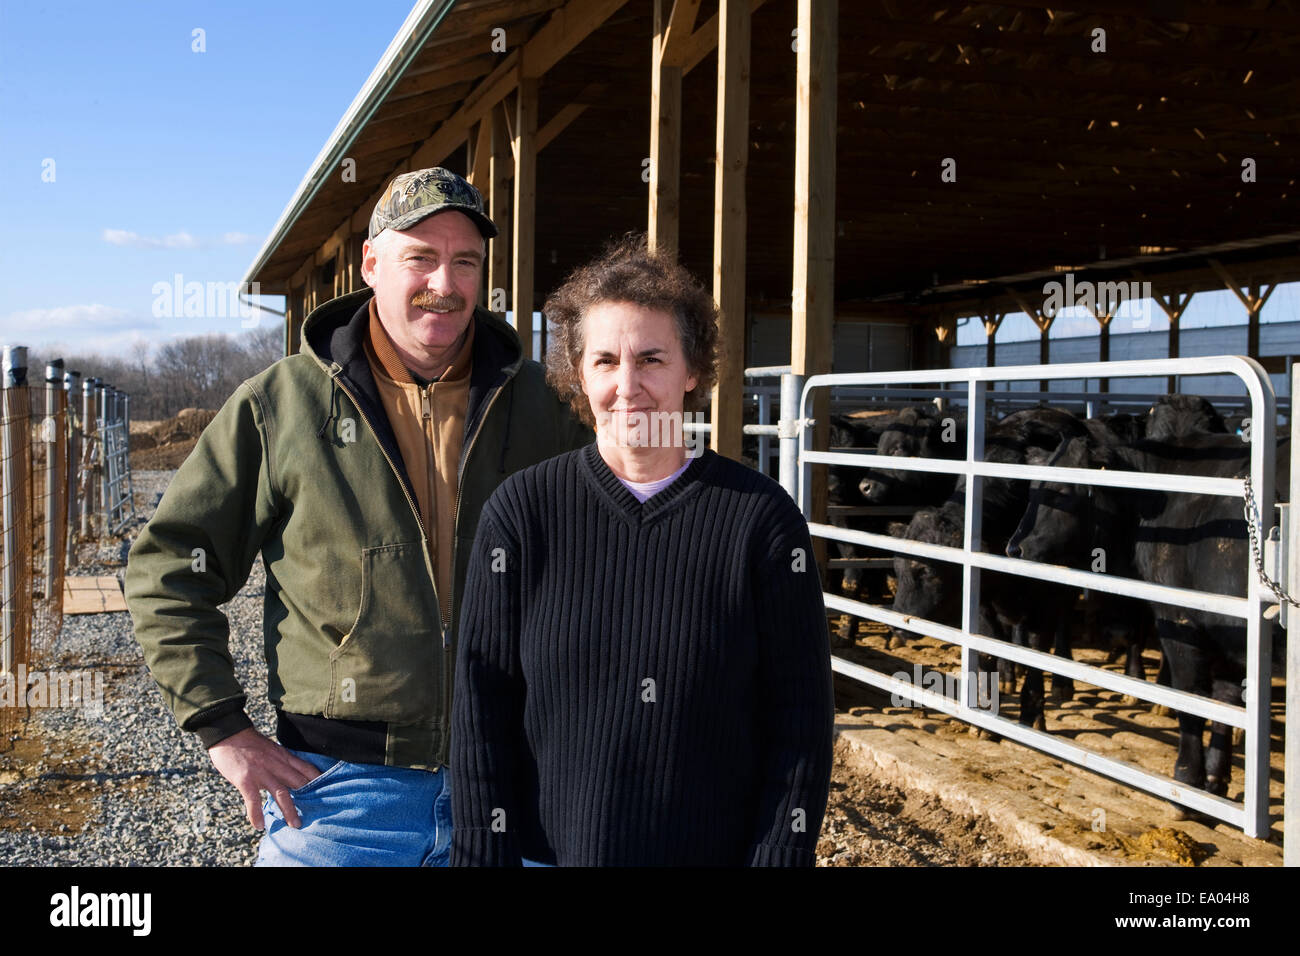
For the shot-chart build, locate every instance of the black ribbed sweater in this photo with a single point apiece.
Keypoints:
(641, 683)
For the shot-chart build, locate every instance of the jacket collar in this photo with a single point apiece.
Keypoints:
(334, 335)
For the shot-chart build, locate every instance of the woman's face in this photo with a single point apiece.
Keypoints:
(634, 372)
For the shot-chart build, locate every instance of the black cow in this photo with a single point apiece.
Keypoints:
(1064, 524)
(844, 487)
(1174, 416)
(1180, 540)
(1012, 608)
(920, 431)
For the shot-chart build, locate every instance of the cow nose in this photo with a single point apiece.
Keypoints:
(1013, 549)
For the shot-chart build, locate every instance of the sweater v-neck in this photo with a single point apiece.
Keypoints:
(624, 503)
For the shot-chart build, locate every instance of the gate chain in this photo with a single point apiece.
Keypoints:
(1252, 526)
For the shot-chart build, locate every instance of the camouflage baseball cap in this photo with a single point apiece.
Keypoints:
(413, 196)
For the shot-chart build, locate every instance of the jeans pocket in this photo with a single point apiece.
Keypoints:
(319, 779)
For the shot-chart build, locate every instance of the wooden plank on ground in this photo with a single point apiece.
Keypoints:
(92, 595)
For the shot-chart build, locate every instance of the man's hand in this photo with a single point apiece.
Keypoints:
(253, 763)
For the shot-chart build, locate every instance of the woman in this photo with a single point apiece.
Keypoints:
(643, 672)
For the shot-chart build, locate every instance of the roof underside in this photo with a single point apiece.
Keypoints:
(1063, 156)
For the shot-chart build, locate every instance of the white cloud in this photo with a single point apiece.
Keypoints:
(79, 327)
(178, 240)
(123, 237)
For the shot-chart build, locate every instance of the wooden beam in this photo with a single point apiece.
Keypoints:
(481, 154)
(703, 41)
(813, 306)
(813, 298)
(567, 27)
(562, 32)
(665, 133)
(525, 202)
(330, 247)
(675, 29)
(556, 125)
(729, 219)
(502, 169)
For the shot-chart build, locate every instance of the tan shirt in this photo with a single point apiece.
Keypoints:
(429, 424)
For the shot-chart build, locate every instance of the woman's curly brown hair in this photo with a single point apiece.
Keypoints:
(628, 272)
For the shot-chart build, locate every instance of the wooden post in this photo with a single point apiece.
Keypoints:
(1254, 298)
(480, 154)
(812, 313)
(729, 222)
(992, 321)
(1044, 349)
(671, 30)
(525, 201)
(502, 168)
(15, 461)
(1103, 313)
(1174, 307)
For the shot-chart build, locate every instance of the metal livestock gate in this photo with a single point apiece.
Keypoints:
(796, 433)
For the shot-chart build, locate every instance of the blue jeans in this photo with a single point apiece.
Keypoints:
(360, 814)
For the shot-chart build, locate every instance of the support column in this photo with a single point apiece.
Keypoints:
(1173, 307)
(812, 313)
(672, 27)
(1103, 313)
(525, 200)
(729, 221)
(992, 321)
(501, 169)
(1254, 298)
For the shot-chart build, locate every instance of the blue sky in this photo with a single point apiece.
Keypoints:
(166, 161)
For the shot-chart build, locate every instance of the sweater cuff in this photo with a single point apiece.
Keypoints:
(215, 729)
(770, 854)
(481, 846)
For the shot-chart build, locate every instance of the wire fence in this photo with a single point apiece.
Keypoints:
(65, 478)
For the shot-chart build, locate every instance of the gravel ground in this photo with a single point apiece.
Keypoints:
(127, 787)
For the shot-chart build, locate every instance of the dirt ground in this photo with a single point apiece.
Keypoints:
(872, 823)
(163, 445)
(1052, 807)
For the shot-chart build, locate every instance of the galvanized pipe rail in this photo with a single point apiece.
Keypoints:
(1252, 814)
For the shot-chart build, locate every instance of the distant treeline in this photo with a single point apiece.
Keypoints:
(200, 371)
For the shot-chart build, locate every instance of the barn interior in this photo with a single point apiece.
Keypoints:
(977, 152)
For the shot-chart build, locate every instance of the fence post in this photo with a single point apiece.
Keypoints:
(15, 441)
(86, 484)
(53, 470)
(1291, 771)
(72, 389)
(105, 491)
(788, 432)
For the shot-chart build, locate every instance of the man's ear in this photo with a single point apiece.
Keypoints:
(368, 256)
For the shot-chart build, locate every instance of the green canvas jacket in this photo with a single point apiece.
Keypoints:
(302, 466)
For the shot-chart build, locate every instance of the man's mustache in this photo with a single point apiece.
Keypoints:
(445, 303)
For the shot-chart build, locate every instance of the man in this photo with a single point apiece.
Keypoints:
(357, 469)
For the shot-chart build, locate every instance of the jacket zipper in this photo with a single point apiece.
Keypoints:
(431, 477)
(447, 675)
(415, 510)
